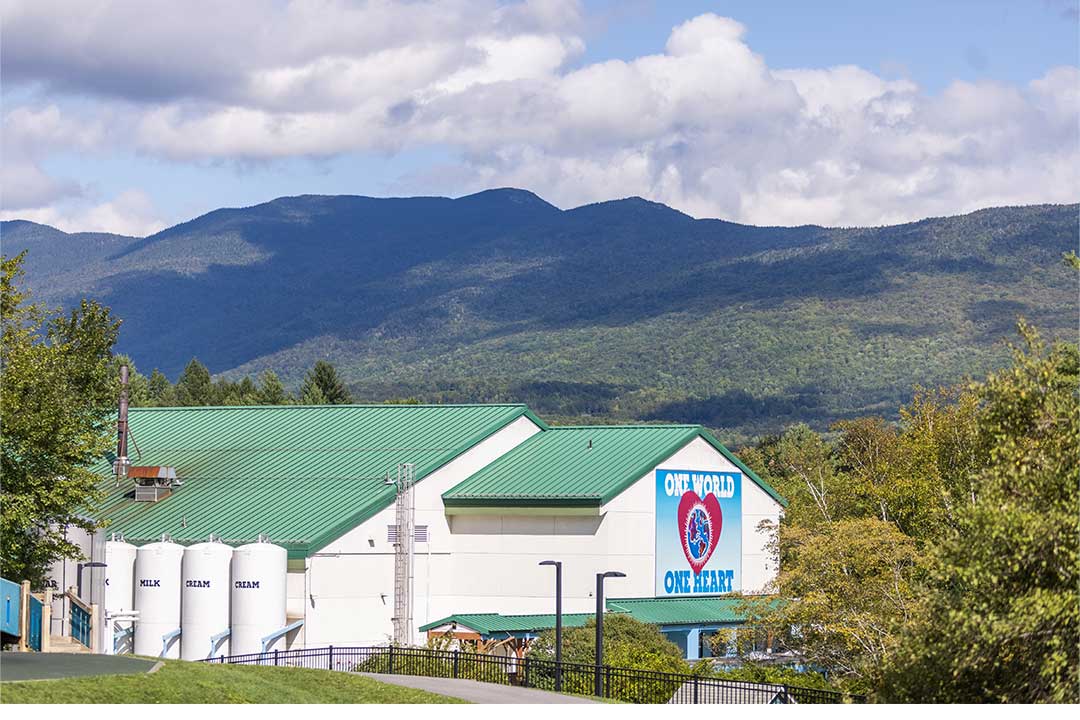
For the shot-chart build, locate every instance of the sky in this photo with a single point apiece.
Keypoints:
(129, 117)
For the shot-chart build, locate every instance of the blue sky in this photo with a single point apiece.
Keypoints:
(132, 118)
(934, 43)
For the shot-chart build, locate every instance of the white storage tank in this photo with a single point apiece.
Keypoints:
(204, 607)
(157, 597)
(259, 572)
(119, 589)
(64, 574)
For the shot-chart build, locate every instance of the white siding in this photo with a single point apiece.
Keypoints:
(489, 563)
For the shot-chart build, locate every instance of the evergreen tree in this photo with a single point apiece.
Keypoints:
(161, 392)
(246, 393)
(271, 391)
(331, 388)
(194, 386)
(312, 394)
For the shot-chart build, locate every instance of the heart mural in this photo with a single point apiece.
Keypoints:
(700, 522)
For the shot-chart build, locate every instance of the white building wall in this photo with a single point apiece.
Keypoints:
(495, 557)
(489, 563)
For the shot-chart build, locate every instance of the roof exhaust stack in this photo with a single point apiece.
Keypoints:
(121, 465)
(152, 482)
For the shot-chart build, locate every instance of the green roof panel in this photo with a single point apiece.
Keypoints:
(580, 466)
(654, 611)
(301, 475)
(493, 623)
(680, 611)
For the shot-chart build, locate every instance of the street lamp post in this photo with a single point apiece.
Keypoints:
(78, 573)
(598, 681)
(558, 621)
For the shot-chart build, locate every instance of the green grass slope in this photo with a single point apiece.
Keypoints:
(185, 682)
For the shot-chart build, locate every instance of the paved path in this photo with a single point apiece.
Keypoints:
(479, 692)
(48, 666)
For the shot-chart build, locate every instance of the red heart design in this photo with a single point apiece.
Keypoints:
(707, 520)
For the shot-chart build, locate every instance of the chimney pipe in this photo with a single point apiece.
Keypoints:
(122, 426)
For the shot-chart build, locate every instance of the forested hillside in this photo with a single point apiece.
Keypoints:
(623, 310)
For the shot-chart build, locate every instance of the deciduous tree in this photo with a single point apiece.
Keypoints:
(1002, 622)
(57, 399)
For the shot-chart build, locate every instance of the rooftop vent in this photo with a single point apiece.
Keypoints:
(153, 482)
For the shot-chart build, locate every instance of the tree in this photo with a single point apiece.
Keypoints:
(804, 467)
(138, 385)
(331, 390)
(628, 643)
(271, 391)
(851, 588)
(57, 399)
(853, 543)
(161, 392)
(1002, 621)
(194, 386)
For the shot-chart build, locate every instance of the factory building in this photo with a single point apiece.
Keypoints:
(495, 491)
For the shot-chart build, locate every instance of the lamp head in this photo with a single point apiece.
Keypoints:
(555, 563)
(612, 574)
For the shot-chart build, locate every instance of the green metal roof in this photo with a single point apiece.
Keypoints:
(680, 611)
(581, 466)
(302, 475)
(654, 611)
(494, 623)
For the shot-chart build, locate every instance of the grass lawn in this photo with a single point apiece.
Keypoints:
(188, 682)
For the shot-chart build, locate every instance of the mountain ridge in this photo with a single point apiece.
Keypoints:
(620, 310)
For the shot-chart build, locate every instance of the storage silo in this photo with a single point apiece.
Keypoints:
(119, 589)
(157, 597)
(204, 609)
(258, 596)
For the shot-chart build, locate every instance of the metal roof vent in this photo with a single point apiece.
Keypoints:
(153, 482)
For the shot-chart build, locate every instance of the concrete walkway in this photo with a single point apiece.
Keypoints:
(480, 692)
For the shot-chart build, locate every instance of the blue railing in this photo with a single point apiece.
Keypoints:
(80, 623)
(33, 636)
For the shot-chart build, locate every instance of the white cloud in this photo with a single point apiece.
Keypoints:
(705, 126)
(132, 212)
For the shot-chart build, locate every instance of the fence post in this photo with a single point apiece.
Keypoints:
(24, 615)
(95, 627)
(391, 660)
(330, 659)
(607, 681)
(46, 621)
(456, 652)
(695, 689)
(525, 672)
(275, 656)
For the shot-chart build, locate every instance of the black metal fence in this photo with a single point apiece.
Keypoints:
(616, 683)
